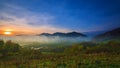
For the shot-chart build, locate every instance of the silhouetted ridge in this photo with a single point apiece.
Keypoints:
(59, 34)
(69, 34)
(46, 34)
(76, 34)
(110, 34)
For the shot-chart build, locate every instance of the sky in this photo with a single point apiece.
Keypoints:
(49, 16)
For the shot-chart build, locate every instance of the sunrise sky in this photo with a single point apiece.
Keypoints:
(38, 16)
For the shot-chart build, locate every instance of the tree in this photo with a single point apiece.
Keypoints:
(8, 48)
(1, 42)
(1, 47)
(11, 47)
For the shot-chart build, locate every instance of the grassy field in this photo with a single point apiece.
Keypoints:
(81, 55)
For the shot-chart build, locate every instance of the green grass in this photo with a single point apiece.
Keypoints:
(65, 61)
(95, 55)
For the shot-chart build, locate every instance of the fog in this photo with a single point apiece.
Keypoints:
(28, 40)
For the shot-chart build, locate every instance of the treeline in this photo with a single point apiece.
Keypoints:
(10, 48)
(92, 47)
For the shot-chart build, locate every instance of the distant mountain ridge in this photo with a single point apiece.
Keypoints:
(69, 34)
(115, 33)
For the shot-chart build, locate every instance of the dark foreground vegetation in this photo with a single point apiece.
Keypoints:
(82, 55)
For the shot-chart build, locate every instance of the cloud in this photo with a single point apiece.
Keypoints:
(24, 21)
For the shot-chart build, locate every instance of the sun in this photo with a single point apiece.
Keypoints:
(7, 33)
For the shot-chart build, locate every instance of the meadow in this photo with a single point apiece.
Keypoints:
(80, 55)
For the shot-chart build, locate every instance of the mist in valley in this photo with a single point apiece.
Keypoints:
(44, 40)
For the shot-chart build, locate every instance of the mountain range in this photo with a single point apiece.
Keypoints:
(60, 34)
(112, 34)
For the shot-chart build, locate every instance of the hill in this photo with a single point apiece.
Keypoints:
(69, 34)
(112, 34)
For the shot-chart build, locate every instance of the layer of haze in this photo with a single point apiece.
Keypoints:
(43, 40)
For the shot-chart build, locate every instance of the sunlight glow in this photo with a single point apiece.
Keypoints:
(7, 33)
